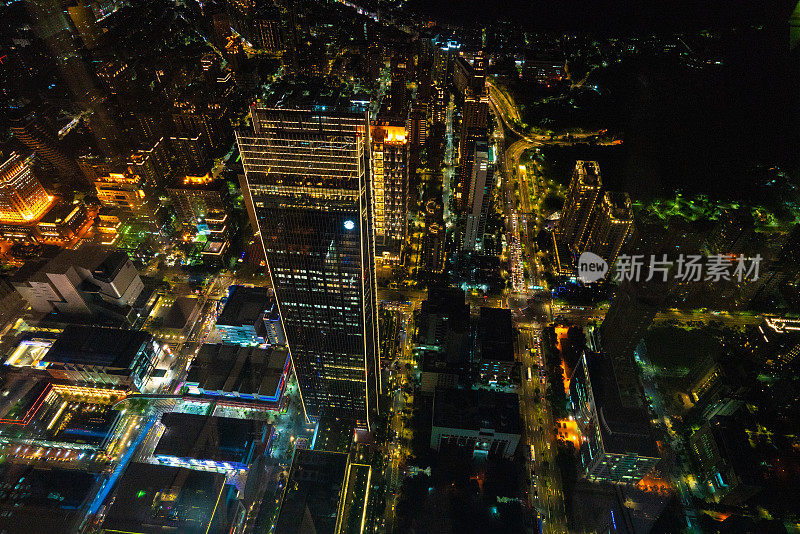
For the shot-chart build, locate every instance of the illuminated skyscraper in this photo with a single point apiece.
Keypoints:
(474, 129)
(613, 222)
(479, 188)
(22, 197)
(389, 186)
(307, 185)
(579, 204)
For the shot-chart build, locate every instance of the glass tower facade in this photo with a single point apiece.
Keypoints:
(307, 186)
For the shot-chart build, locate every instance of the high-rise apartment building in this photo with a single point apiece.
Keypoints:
(584, 189)
(121, 190)
(398, 94)
(613, 222)
(22, 197)
(240, 14)
(151, 162)
(195, 197)
(418, 123)
(389, 186)
(307, 184)
(191, 153)
(260, 25)
(440, 98)
(33, 130)
(470, 77)
(733, 234)
(269, 30)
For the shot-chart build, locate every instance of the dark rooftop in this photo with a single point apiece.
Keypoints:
(180, 312)
(473, 409)
(59, 212)
(219, 439)
(111, 266)
(624, 429)
(311, 500)
(96, 258)
(35, 500)
(158, 498)
(447, 301)
(92, 345)
(245, 306)
(231, 368)
(495, 334)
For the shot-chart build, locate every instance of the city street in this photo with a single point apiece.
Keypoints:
(545, 488)
(545, 494)
(394, 450)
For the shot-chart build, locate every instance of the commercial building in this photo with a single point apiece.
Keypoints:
(247, 376)
(494, 345)
(479, 189)
(22, 197)
(160, 498)
(617, 443)
(484, 422)
(87, 16)
(250, 317)
(92, 281)
(209, 443)
(28, 214)
(175, 317)
(612, 225)
(728, 464)
(325, 494)
(97, 356)
(632, 310)
(307, 188)
(35, 499)
(63, 223)
(121, 190)
(71, 420)
(443, 323)
(474, 129)
(390, 187)
(777, 344)
(584, 188)
(443, 335)
(440, 370)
